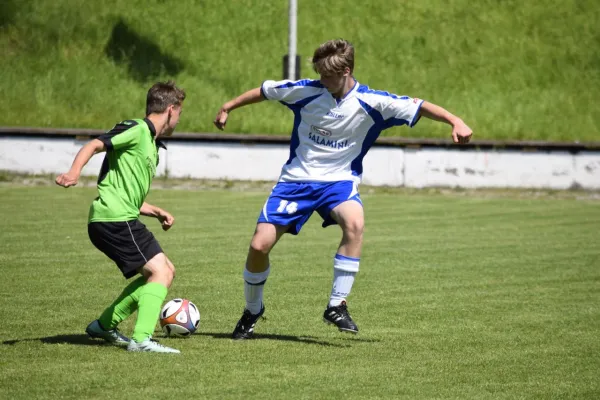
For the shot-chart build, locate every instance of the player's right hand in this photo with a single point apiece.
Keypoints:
(461, 133)
(67, 180)
(221, 118)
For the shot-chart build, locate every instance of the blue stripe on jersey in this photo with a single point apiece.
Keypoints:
(366, 89)
(388, 123)
(372, 135)
(341, 257)
(379, 125)
(296, 108)
(295, 140)
(304, 82)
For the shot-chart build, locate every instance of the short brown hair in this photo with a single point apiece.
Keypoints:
(333, 57)
(161, 95)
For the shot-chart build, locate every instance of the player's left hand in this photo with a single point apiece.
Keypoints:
(461, 133)
(166, 220)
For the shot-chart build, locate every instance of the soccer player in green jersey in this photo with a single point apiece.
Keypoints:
(113, 226)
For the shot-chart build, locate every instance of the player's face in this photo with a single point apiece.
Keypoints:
(335, 83)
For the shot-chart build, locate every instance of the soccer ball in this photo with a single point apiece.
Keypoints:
(179, 317)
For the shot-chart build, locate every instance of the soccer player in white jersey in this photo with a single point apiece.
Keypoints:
(336, 121)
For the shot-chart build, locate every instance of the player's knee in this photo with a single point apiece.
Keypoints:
(171, 267)
(159, 269)
(259, 245)
(171, 274)
(355, 228)
(167, 274)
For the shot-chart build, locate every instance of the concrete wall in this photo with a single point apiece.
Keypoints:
(392, 166)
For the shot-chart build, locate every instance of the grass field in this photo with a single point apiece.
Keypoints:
(512, 69)
(458, 297)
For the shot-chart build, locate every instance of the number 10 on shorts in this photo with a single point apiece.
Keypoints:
(290, 208)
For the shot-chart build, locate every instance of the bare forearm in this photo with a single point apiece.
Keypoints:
(165, 219)
(81, 159)
(461, 133)
(249, 97)
(149, 210)
(432, 111)
(85, 154)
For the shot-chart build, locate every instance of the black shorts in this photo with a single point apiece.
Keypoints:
(129, 244)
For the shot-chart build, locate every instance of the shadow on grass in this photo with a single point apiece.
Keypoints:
(8, 10)
(143, 58)
(85, 340)
(79, 340)
(285, 338)
(354, 338)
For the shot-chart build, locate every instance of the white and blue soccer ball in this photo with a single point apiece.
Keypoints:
(179, 317)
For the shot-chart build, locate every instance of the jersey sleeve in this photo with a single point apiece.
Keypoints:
(290, 91)
(124, 135)
(403, 108)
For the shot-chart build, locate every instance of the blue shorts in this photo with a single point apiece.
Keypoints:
(292, 203)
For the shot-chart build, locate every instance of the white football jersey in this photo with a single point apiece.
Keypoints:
(331, 136)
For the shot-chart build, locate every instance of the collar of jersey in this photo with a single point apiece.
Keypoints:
(159, 143)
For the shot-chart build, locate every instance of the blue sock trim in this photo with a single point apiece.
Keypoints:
(341, 257)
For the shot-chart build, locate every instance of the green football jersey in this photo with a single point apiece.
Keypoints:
(127, 171)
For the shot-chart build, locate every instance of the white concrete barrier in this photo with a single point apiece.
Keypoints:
(383, 165)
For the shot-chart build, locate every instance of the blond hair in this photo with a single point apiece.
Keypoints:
(333, 56)
(161, 95)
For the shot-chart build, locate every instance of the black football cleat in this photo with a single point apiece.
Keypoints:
(245, 326)
(339, 316)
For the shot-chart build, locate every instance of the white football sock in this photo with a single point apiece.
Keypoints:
(344, 271)
(254, 284)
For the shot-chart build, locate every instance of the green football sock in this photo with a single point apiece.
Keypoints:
(123, 306)
(152, 296)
